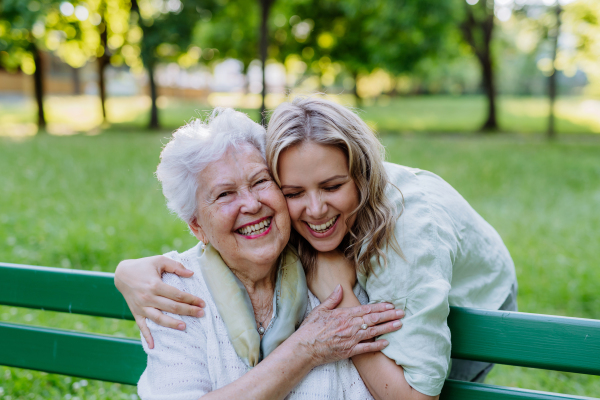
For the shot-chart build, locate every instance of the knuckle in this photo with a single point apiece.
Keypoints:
(145, 298)
(177, 296)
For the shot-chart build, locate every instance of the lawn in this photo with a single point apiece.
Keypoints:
(71, 114)
(88, 202)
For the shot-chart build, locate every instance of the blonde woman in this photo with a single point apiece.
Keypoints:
(402, 234)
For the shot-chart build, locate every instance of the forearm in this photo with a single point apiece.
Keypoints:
(272, 378)
(382, 376)
(384, 379)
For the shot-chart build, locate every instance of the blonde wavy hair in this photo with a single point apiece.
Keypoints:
(311, 119)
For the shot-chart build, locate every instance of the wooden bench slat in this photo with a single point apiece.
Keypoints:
(59, 289)
(528, 340)
(457, 390)
(72, 353)
(123, 360)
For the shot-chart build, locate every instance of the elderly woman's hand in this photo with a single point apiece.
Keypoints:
(139, 281)
(329, 334)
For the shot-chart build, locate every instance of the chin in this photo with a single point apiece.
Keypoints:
(325, 246)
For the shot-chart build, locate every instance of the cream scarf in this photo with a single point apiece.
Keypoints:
(234, 306)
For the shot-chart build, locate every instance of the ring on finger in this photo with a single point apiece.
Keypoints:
(364, 325)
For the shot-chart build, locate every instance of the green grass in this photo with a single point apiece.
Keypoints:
(89, 202)
(67, 115)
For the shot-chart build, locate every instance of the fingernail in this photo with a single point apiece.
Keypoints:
(385, 342)
(181, 327)
(400, 313)
(338, 287)
(397, 324)
(200, 313)
(389, 306)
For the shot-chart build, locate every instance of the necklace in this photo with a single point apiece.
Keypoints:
(261, 329)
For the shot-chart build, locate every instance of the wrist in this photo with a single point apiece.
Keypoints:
(302, 349)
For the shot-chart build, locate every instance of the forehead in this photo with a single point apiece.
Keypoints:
(311, 160)
(237, 163)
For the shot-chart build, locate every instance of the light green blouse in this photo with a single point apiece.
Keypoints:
(452, 257)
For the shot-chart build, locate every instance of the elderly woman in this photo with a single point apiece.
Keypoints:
(215, 178)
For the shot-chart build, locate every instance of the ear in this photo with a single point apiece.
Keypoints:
(198, 231)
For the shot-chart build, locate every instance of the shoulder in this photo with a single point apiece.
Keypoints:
(195, 284)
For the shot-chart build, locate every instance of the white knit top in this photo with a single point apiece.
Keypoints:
(188, 364)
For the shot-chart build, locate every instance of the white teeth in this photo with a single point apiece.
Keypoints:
(256, 229)
(324, 226)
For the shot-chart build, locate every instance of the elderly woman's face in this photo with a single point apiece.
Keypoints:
(241, 211)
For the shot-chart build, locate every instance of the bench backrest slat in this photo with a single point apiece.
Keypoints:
(527, 340)
(458, 390)
(59, 289)
(72, 353)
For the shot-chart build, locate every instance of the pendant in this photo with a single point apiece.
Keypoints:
(261, 330)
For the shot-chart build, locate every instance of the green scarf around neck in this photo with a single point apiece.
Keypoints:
(234, 306)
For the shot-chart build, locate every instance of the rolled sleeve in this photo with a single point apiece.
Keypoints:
(422, 345)
(419, 283)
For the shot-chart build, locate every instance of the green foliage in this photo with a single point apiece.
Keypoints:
(22, 26)
(360, 36)
(167, 32)
(231, 30)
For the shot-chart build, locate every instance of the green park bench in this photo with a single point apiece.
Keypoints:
(512, 338)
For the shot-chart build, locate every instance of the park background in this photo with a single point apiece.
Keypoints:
(500, 98)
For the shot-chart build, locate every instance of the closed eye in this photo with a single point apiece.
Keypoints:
(333, 188)
(291, 195)
(224, 194)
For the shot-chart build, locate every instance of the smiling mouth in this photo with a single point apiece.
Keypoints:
(323, 227)
(256, 229)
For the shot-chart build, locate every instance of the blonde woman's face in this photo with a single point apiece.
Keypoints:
(320, 193)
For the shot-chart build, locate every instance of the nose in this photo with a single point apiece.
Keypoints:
(316, 207)
(250, 202)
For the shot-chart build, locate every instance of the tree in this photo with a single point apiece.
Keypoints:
(552, 78)
(581, 20)
(22, 30)
(477, 28)
(166, 35)
(232, 30)
(265, 8)
(362, 36)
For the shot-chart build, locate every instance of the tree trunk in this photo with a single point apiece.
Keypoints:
(38, 79)
(102, 63)
(357, 97)
(265, 7)
(477, 32)
(76, 81)
(102, 85)
(552, 79)
(491, 124)
(154, 124)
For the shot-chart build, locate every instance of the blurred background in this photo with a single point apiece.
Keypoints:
(500, 98)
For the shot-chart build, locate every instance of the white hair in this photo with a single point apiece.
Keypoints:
(195, 145)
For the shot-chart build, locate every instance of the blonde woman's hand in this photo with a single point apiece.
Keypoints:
(331, 334)
(140, 283)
